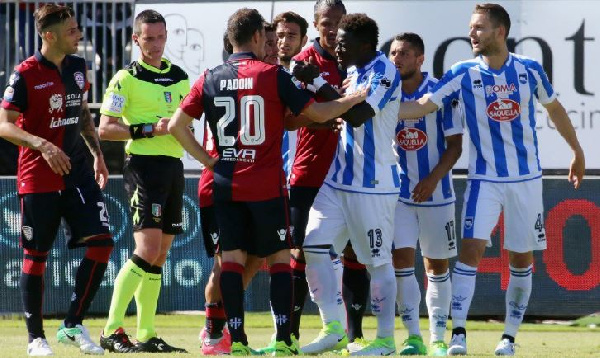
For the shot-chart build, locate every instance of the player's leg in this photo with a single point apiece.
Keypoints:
(326, 227)
(41, 218)
(166, 197)
(438, 244)
(355, 289)
(524, 232)
(408, 297)
(86, 217)
(371, 228)
(481, 209)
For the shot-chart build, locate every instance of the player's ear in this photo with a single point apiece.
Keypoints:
(304, 40)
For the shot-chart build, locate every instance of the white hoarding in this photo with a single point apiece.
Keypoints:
(562, 35)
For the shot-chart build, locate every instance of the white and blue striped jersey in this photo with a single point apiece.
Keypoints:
(365, 160)
(500, 114)
(288, 151)
(421, 143)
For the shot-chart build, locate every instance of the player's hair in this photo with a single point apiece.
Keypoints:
(497, 14)
(362, 27)
(226, 44)
(242, 25)
(270, 27)
(147, 17)
(51, 14)
(292, 17)
(322, 5)
(415, 41)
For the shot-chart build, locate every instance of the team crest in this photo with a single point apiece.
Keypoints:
(79, 79)
(156, 210)
(13, 79)
(523, 78)
(56, 103)
(9, 93)
(168, 97)
(27, 232)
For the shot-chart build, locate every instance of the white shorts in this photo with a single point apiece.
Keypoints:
(523, 213)
(367, 219)
(432, 226)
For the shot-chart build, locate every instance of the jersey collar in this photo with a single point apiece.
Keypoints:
(485, 66)
(242, 56)
(44, 61)
(165, 66)
(326, 55)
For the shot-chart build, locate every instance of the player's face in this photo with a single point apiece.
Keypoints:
(405, 58)
(67, 36)
(327, 25)
(484, 36)
(348, 49)
(151, 41)
(270, 48)
(289, 40)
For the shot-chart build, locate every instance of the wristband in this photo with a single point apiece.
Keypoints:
(143, 130)
(317, 84)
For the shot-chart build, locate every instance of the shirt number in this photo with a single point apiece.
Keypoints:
(252, 118)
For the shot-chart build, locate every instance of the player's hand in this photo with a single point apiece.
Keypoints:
(424, 189)
(210, 163)
(345, 85)
(357, 96)
(161, 127)
(577, 170)
(58, 161)
(305, 72)
(100, 171)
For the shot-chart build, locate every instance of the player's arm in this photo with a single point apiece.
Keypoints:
(560, 118)
(179, 127)
(57, 160)
(417, 109)
(357, 115)
(425, 188)
(88, 132)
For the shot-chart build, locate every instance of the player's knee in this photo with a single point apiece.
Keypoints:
(436, 266)
(99, 248)
(34, 262)
(149, 253)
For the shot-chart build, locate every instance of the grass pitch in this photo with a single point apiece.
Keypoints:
(535, 340)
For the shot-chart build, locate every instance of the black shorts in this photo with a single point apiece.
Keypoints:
(259, 228)
(154, 185)
(210, 230)
(82, 208)
(301, 200)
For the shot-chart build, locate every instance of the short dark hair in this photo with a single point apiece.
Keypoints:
(321, 5)
(147, 17)
(415, 41)
(226, 44)
(497, 14)
(242, 25)
(51, 14)
(362, 27)
(269, 27)
(292, 17)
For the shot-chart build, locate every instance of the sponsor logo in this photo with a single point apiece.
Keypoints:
(168, 97)
(236, 84)
(411, 138)
(477, 84)
(385, 82)
(281, 233)
(73, 100)
(73, 297)
(116, 103)
(235, 322)
(79, 79)
(503, 110)
(61, 122)
(239, 155)
(280, 319)
(356, 306)
(13, 79)
(56, 103)
(500, 90)
(27, 232)
(28, 315)
(523, 78)
(163, 80)
(156, 210)
(9, 93)
(43, 85)
(214, 237)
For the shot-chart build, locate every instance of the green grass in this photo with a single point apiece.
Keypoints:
(535, 340)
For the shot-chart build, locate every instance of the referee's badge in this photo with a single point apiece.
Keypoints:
(156, 210)
(168, 97)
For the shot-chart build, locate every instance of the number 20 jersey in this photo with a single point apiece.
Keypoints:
(244, 102)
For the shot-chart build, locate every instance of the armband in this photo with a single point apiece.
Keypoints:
(317, 84)
(143, 130)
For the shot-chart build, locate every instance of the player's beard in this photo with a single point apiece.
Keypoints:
(408, 75)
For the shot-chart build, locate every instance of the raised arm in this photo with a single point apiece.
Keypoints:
(563, 125)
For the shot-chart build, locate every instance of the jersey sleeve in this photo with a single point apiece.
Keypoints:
(452, 118)
(446, 89)
(15, 94)
(544, 90)
(192, 103)
(381, 86)
(115, 99)
(294, 98)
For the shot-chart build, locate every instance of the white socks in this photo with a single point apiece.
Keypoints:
(383, 291)
(339, 272)
(408, 297)
(438, 296)
(322, 281)
(463, 287)
(517, 298)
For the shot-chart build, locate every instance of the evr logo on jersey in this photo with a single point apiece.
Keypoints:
(411, 138)
(240, 155)
(503, 110)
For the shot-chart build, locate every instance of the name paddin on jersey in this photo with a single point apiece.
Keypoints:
(411, 139)
(236, 84)
(503, 110)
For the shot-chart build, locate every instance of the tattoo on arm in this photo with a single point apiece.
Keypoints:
(88, 131)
